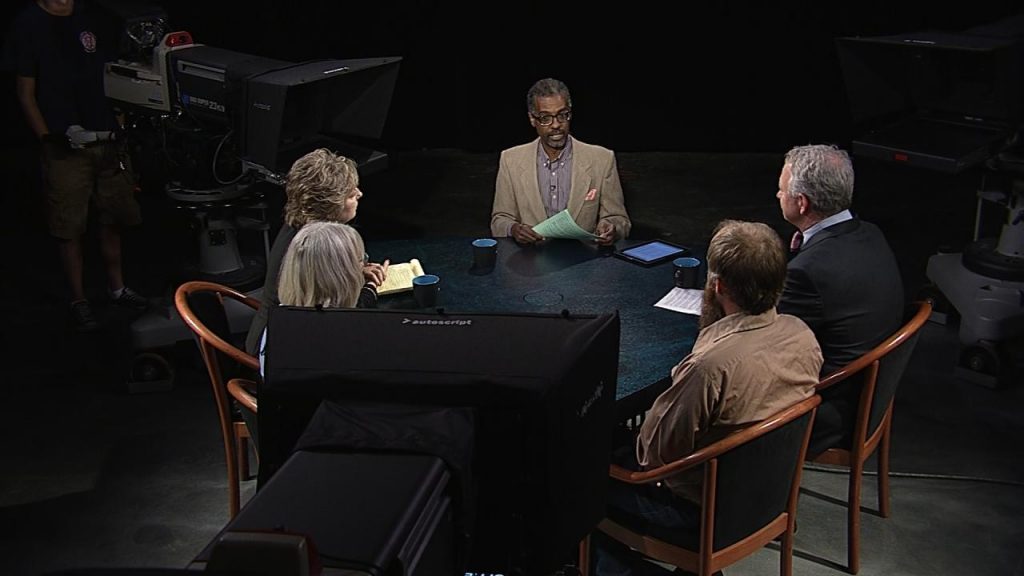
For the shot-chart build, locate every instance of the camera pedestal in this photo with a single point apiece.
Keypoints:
(991, 313)
(218, 214)
(985, 283)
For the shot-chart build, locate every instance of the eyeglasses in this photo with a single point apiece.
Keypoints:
(547, 119)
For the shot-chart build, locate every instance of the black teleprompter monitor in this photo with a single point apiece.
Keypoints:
(337, 104)
(278, 111)
(541, 389)
(938, 100)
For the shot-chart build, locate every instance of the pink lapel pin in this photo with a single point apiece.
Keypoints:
(591, 194)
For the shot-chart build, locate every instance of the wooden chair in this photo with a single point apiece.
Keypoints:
(201, 306)
(880, 370)
(750, 488)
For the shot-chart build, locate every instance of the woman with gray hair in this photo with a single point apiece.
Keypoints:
(322, 268)
(321, 187)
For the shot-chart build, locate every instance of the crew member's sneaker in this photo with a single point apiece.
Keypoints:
(131, 299)
(85, 320)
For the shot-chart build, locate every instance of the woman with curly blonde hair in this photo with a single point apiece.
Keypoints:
(321, 187)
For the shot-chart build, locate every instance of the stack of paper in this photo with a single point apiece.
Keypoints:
(562, 225)
(400, 277)
(683, 300)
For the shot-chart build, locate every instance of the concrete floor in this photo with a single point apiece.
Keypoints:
(93, 476)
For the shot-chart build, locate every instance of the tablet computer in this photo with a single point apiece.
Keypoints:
(652, 252)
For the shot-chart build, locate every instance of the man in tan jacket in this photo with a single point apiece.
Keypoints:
(556, 172)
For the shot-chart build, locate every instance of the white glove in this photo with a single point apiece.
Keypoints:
(79, 137)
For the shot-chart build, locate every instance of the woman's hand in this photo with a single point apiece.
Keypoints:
(376, 274)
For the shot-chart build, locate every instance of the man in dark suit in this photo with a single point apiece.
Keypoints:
(842, 279)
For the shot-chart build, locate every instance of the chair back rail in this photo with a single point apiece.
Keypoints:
(201, 306)
(880, 371)
(210, 322)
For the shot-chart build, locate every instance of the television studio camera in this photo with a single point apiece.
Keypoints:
(950, 102)
(216, 131)
(214, 124)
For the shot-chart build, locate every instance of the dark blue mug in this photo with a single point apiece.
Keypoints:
(686, 272)
(485, 252)
(425, 289)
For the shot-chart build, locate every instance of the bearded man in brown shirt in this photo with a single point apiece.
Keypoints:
(748, 363)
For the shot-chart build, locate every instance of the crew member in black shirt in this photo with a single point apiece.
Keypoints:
(58, 63)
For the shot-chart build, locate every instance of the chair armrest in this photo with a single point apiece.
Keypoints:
(923, 311)
(181, 295)
(855, 368)
(715, 449)
(239, 388)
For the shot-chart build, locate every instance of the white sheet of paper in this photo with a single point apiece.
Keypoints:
(562, 225)
(685, 300)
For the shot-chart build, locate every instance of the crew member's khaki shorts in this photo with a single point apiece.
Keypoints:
(71, 176)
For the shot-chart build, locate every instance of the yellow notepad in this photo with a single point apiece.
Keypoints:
(400, 277)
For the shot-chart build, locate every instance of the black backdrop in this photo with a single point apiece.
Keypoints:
(720, 76)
